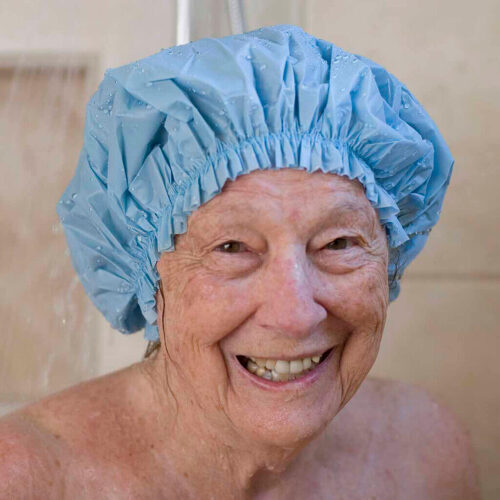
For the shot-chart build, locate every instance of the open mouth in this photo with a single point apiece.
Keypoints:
(279, 370)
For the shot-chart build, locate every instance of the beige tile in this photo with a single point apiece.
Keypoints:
(117, 350)
(264, 13)
(445, 336)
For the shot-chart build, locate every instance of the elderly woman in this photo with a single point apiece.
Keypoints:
(252, 201)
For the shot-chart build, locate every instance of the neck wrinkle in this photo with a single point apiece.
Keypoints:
(193, 453)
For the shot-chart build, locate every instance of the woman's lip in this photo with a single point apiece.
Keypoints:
(302, 382)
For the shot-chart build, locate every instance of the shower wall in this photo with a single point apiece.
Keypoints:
(442, 333)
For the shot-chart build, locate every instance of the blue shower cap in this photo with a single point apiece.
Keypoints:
(163, 135)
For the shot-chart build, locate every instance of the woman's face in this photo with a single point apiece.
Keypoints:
(281, 266)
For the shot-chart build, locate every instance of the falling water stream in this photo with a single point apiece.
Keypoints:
(46, 317)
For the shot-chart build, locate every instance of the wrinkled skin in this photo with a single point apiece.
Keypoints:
(281, 264)
(278, 291)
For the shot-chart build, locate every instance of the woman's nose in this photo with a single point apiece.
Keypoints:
(288, 303)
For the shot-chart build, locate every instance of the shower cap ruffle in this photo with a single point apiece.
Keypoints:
(163, 135)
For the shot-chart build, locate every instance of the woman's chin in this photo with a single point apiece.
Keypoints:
(290, 426)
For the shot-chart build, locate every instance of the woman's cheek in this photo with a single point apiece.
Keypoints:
(215, 306)
(361, 296)
(365, 312)
(376, 293)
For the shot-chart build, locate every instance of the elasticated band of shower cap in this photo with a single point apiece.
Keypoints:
(163, 135)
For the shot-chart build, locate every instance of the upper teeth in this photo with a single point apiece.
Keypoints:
(280, 370)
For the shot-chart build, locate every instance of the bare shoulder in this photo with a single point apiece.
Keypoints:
(70, 439)
(418, 415)
(418, 436)
(29, 459)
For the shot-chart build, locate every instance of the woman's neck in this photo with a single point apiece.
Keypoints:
(204, 455)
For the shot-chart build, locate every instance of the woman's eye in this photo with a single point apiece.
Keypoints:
(233, 246)
(340, 244)
(230, 247)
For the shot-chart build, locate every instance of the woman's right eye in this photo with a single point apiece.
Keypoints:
(229, 247)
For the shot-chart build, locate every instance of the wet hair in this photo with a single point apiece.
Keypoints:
(152, 348)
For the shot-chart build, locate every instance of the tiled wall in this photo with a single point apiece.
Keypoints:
(442, 332)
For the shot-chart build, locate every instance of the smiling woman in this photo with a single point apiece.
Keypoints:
(252, 201)
(285, 315)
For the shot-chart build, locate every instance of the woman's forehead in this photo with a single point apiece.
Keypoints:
(275, 181)
(287, 186)
(287, 192)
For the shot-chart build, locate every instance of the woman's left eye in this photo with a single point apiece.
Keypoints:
(340, 244)
(231, 246)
